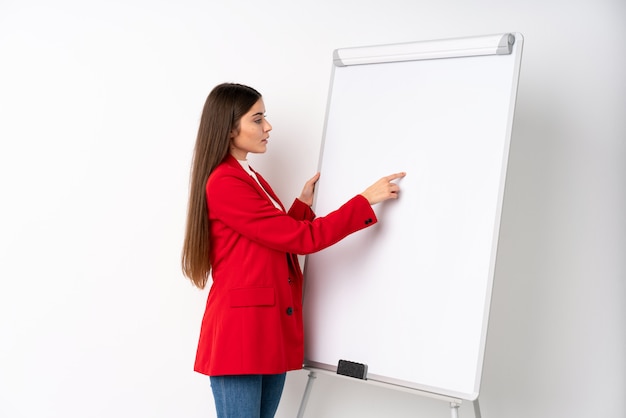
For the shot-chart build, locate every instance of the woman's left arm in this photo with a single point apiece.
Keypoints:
(308, 191)
(301, 207)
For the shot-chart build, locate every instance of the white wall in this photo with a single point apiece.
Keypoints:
(99, 104)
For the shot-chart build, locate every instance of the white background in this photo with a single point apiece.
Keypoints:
(99, 106)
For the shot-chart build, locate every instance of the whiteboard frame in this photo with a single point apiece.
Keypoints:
(506, 43)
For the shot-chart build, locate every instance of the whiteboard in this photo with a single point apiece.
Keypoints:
(409, 297)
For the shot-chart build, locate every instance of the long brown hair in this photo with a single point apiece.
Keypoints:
(223, 110)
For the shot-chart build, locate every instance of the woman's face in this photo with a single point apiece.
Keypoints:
(252, 134)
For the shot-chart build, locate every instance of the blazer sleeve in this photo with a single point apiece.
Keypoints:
(235, 201)
(301, 211)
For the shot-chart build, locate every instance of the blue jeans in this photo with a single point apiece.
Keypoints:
(247, 396)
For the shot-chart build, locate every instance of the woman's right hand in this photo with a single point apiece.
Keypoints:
(383, 189)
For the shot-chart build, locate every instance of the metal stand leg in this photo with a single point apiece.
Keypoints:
(307, 392)
(454, 409)
(477, 409)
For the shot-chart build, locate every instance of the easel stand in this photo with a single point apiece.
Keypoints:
(454, 402)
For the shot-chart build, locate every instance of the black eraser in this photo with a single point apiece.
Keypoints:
(352, 369)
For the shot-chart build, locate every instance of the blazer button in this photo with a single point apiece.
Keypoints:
(289, 310)
(368, 221)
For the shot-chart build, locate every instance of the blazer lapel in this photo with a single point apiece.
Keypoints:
(265, 189)
(268, 189)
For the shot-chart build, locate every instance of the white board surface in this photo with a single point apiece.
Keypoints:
(410, 296)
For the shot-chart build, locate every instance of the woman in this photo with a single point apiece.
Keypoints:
(239, 232)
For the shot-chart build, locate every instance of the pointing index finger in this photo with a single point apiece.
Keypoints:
(395, 176)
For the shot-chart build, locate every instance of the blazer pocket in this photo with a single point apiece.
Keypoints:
(252, 296)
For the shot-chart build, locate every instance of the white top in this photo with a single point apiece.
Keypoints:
(246, 166)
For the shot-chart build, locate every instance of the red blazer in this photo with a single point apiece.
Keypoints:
(253, 318)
